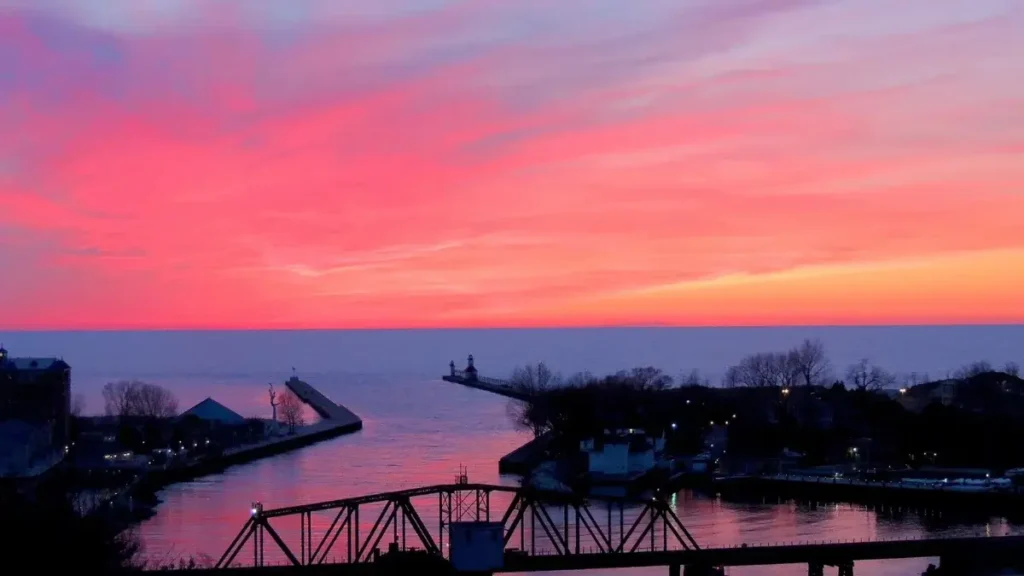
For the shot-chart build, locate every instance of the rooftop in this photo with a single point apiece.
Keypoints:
(48, 363)
(210, 409)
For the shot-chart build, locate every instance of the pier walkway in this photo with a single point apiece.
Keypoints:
(471, 379)
(328, 410)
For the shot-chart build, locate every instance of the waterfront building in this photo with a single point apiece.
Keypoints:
(210, 410)
(622, 453)
(37, 393)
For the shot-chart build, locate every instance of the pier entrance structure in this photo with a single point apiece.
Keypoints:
(495, 528)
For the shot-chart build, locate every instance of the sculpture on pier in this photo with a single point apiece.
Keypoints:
(273, 402)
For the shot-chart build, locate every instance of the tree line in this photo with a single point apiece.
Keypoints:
(792, 399)
(145, 400)
(806, 364)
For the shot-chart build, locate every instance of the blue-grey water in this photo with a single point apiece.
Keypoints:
(420, 430)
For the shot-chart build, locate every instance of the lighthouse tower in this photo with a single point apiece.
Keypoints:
(470, 371)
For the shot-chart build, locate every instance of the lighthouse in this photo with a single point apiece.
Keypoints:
(470, 371)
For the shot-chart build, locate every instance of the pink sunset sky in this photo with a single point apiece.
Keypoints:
(415, 163)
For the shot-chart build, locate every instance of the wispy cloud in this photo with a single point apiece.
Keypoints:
(432, 162)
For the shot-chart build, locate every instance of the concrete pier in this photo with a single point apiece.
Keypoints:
(471, 379)
(336, 420)
(328, 410)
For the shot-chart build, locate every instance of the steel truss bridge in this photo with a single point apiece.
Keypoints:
(565, 524)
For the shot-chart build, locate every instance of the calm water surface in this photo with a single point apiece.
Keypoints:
(419, 432)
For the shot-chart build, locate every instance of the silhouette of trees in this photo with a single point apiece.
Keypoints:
(973, 369)
(1012, 368)
(128, 398)
(92, 543)
(811, 363)
(290, 410)
(865, 376)
(806, 364)
(821, 421)
(645, 378)
(534, 378)
(763, 370)
(694, 378)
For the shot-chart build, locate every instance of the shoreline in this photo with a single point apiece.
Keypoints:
(524, 460)
(1006, 503)
(142, 495)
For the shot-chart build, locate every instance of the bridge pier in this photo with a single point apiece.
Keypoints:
(815, 569)
(673, 570)
(846, 568)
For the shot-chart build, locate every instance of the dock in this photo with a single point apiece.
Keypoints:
(471, 379)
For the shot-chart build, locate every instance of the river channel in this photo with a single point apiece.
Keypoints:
(421, 432)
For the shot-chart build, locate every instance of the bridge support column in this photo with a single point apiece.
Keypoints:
(673, 570)
(846, 568)
(698, 570)
(815, 569)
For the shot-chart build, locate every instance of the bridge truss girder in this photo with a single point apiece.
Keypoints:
(530, 513)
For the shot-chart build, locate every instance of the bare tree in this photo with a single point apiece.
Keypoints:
(290, 410)
(913, 379)
(733, 377)
(865, 376)
(578, 380)
(649, 378)
(136, 398)
(534, 379)
(118, 397)
(759, 371)
(1012, 368)
(77, 405)
(154, 401)
(786, 369)
(973, 369)
(694, 378)
(811, 363)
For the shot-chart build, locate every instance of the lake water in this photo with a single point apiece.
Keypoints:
(419, 430)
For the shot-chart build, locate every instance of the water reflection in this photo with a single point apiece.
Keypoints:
(420, 432)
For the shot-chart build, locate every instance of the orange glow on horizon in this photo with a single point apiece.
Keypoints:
(441, 167)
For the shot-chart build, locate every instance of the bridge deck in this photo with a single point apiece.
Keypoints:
(654, 536)
(1000, 551)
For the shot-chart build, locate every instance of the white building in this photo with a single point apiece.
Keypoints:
(622, 452)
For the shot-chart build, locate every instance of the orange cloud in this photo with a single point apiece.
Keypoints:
(461, 166)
